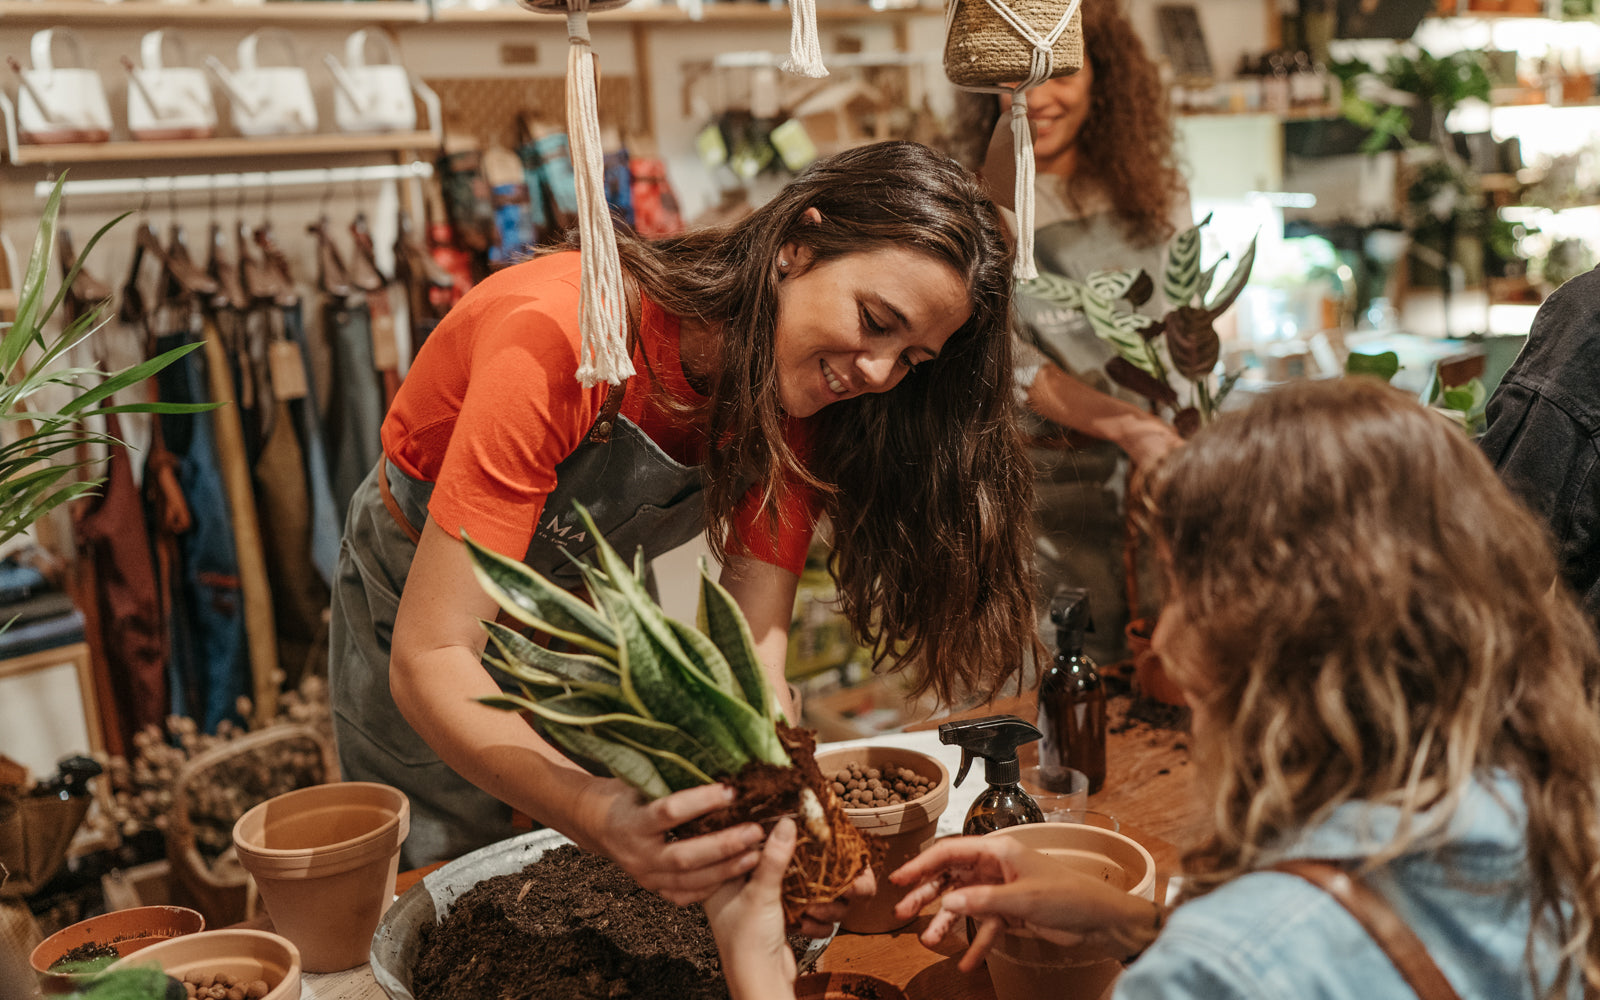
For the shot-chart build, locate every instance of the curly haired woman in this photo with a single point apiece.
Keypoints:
(1108, 195)
(1385, 673)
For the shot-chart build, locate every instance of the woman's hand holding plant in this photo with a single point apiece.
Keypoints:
(1004, 885)
(618, 822)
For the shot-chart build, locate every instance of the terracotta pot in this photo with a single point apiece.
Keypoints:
(845, 986)
(242, 954)
(903, 829)
(128, 930)
(324, 859)
(1025, 968)
(1149, 676)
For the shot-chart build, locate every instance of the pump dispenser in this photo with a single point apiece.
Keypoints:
(995, 738)
(1072, 697)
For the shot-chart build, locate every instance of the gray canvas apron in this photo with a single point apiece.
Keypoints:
(639, 497)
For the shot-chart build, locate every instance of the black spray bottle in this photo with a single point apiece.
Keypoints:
(995, 738)
(1072, 697)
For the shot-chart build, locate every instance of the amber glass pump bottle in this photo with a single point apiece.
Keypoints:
(1072, 697)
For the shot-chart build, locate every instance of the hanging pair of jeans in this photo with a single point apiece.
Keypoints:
(209, 577)
(355, 416)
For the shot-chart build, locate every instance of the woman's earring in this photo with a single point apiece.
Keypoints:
(783, 265)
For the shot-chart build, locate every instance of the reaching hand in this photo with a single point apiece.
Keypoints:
(616, 822)
(1004, 885)
(747, 920)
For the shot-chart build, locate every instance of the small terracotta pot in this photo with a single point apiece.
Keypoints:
(904, 829)
(128, 930)
(1025, 968)
(1149, 676)
(324, 859)
(242, 954)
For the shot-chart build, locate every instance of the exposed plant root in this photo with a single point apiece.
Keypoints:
(824, 867)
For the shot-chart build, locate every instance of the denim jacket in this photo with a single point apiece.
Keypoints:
(1274, 936)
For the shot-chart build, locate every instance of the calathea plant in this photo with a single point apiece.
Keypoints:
(667, 706)
(1109, 300)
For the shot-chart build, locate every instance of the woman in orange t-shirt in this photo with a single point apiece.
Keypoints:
(842, 350)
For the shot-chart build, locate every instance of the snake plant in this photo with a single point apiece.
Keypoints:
(664, 705)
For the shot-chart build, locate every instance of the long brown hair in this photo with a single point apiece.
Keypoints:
(1380, 621)
(926, 486)
(1126, 143)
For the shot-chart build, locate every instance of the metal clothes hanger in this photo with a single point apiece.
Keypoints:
(184, 276)
(364, 273)
(226, 272)
(276, 261)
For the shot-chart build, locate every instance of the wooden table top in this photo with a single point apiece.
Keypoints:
(1149, 788)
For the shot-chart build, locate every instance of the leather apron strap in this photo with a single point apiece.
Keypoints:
(393, 505)
(1398, 941)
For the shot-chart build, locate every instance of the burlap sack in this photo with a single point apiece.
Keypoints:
(983, 50)
(35, 832)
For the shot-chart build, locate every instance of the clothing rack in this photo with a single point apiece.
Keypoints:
(271, 179)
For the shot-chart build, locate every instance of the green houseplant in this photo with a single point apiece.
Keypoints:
(47, 400)
(666, 705)
(1184, 341)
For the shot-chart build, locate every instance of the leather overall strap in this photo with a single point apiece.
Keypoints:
(392, 505)
(1407, 952)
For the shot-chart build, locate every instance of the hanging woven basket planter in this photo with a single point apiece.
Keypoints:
(1010, 47)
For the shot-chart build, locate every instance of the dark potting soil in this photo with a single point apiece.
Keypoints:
(90, 956)
(570, 926)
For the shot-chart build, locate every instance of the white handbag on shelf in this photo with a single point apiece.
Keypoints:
(267, 100)
(371, 98)
(167, 102)
(61, 103)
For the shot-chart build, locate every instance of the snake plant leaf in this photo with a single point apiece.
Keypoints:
(676, 770)
(719, 618)
(572, 666)
(623, 582)
(1192, 342)
(711, 758)
(753, 730)
(1235, 284)
(707, 659)
(1054, 288)
(624, 761)
(1181, 276)
(538, 603)
(545, 685)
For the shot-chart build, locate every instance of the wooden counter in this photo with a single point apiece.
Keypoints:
(1149, 788)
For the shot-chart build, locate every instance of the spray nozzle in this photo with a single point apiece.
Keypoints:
(995, 738)
(1069, 610)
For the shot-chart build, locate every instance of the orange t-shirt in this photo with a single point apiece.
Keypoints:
(492, 405)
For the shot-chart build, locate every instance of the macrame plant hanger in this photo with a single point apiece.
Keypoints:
(603, 313)
(987, 44)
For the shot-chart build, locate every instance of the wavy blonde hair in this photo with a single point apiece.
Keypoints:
(1380, 621)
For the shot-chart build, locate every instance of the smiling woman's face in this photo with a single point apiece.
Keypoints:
(858, 323)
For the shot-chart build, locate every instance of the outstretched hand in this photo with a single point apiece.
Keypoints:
(746, 918)
(1003, 885)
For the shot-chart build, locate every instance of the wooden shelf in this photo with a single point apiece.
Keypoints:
(715, 13)
(1296, 115)
(81, 12)
(104, 152)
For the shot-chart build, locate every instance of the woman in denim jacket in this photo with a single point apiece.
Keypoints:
(1385, 672)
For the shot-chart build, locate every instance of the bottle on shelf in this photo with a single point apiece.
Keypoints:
(1072, 696)
(995, 738)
